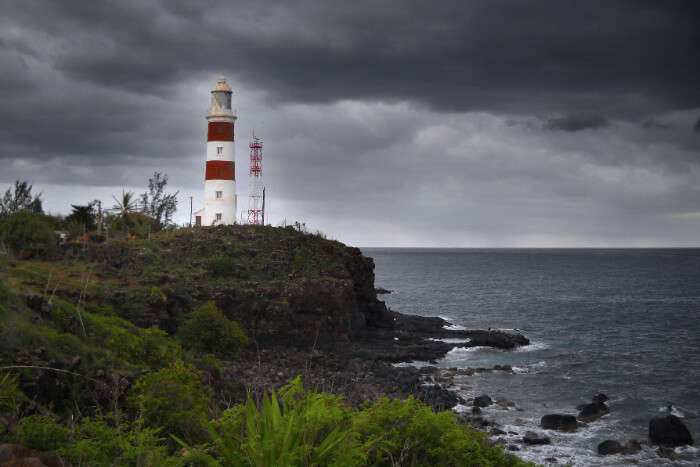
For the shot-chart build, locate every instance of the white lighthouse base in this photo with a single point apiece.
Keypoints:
(219, 203)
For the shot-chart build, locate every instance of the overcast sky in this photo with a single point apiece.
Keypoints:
(483, 123)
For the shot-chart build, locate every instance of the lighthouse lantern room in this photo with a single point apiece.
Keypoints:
(220, 174)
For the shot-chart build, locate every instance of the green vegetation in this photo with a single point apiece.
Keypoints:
(123, 348)
(296, 427)
(173, 399)
(208, 330)
(27, 235)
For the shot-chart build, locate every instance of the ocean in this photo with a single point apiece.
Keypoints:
(624, 322)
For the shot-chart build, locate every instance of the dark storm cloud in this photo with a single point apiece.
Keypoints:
(624, 59)
(576, 122)
(441, 114)
(453, 56)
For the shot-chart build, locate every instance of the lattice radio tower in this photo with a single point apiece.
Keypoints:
(256, 205)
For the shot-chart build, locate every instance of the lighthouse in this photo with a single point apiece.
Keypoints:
(220, 174)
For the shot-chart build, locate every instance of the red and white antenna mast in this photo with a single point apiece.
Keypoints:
(256, 207)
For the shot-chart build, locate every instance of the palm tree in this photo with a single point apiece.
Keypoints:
(125, 207)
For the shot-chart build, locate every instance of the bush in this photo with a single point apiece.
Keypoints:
(27, 234)
(97, 443)
(207, 330)
(221, 265)
(409, 432)
(174, 400)
(42, 433)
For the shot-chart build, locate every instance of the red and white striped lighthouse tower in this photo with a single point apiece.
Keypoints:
(220, 174)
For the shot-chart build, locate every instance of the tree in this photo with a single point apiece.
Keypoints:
(20, 200)
(27, 234)
(84, 216)
(125, 207)
(156, 203)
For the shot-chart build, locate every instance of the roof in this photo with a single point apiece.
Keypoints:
(221, 85)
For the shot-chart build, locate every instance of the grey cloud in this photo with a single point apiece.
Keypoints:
(696, 127)
(576, 122)
(407, 120)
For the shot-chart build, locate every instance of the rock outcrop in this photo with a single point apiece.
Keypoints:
(669, 431)
(533, 438)
(560, 422)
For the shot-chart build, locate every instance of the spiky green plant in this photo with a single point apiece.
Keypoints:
(307, 428)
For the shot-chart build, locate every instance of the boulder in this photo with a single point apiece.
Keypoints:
(513, 447)
(14, 455)
(669, 430)
(496, 432)
(609, 447)
(600, 398)
(559, 422)
(482, 401)
(533, 438)
(476, 410)
(592, 411)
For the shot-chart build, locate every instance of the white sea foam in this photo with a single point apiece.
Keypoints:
(532, 347)
(452, 340)
(454, 327)
(456, 351)
(415, 363)
(461, 408)
(673, 410)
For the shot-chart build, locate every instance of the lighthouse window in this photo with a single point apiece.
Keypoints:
(219, 194)
(219, 150)
(218, 216)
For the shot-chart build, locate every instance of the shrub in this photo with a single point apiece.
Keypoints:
(207, 330)
(97, 443)
(42, 433)
(173, 399)
(409, 432)
(27, 235)
(221, 265)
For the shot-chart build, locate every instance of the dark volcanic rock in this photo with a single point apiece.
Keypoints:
(592, 411)
(482, 401)
(438, 397)
(559, 422)
(609, 447)
(600, 398)
(496, 432)
(533, 438)
(669, 430)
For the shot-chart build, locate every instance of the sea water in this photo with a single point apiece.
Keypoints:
(624, 322)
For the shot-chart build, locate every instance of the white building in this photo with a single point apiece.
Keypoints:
(220, 174)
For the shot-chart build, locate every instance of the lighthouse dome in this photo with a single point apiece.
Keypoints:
(221, 85)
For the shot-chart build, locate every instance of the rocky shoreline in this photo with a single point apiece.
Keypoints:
(363, 366)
